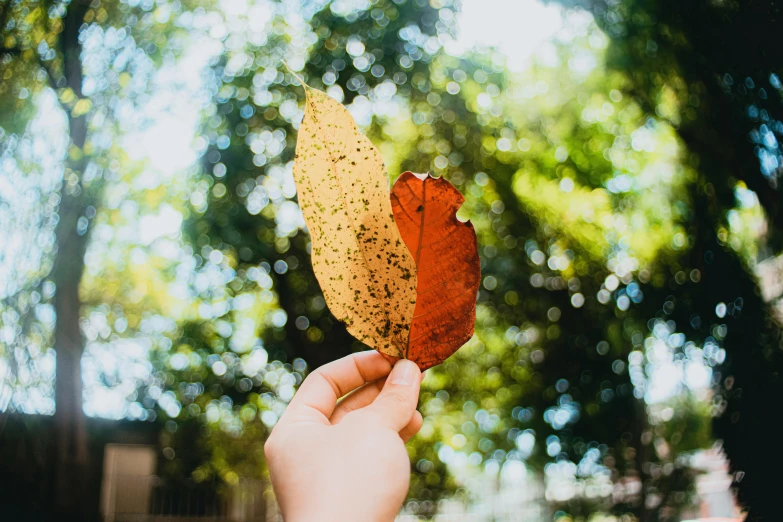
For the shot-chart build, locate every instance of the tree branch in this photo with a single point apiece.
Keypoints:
(50, 78)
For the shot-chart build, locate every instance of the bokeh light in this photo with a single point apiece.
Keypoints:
(619, 162)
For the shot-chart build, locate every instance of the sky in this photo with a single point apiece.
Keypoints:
(515, 27)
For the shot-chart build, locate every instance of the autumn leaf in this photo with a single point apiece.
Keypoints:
(366, 272)
(448, 268)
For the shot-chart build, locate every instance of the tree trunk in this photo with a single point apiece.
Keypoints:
(642, 456)
(73, 482)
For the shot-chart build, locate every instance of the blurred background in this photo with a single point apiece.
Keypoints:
(620, 162)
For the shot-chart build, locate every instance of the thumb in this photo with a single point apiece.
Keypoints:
(396, 403)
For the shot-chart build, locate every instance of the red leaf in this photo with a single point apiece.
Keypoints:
(447, 262)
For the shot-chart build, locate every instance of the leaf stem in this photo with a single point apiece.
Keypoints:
(296, 76)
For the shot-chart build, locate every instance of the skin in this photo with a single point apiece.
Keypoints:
(346, 461)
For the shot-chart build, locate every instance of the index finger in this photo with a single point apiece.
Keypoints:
(321, 389)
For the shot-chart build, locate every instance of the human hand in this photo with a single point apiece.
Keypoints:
(346, 462)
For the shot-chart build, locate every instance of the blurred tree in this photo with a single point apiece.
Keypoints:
(42, 47)
(30, 30)
(553, 355)
(604, 184)
(546, 349)
(719, 63)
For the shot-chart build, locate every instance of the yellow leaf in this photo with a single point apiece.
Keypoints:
(366, 272)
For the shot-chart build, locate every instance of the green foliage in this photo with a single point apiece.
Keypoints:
(533, 166)
(615, 187)
(718, 63)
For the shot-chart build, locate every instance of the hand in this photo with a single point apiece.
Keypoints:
(346, 462)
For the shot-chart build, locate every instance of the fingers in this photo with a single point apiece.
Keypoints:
(413, 427)
(319, 392)
(359, 398)
(397, 401)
